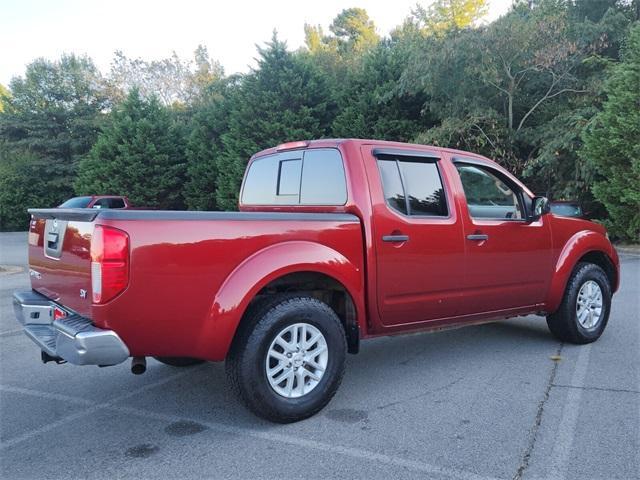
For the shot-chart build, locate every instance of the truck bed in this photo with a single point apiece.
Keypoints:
(179, 263)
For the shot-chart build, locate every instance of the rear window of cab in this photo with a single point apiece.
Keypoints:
(299, 177)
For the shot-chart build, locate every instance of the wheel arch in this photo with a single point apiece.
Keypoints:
(584, 246)
(296, 266)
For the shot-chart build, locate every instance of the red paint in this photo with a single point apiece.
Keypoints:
(189, 282)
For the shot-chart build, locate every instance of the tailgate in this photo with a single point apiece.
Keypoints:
(60, 257)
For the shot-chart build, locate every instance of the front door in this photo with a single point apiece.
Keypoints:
(508, 260)
(418, 238)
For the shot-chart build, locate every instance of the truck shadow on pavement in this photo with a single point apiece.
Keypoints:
(421, 363)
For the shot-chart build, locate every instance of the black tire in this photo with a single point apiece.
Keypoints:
(564, 323)
(179, 361)
(245, 363)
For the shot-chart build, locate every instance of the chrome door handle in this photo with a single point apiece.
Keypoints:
(478, 237)
(395, 238)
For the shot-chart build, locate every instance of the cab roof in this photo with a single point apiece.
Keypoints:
(335, 142)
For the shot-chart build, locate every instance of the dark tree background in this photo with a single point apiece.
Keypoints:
(550, 90)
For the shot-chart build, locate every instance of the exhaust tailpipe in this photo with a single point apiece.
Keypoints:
(138, 365)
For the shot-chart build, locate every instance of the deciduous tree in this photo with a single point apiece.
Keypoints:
(446, 15)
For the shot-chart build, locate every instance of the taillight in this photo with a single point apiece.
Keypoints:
(109, 263)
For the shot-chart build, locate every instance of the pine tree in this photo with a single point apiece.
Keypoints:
(139, 154)
(612, 144)
(204, 146)
(370, 104)
(285, 99)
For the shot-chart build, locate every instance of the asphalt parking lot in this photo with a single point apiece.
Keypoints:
(485, 402)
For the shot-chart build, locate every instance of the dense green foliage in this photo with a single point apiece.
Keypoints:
(140, 153)
(49, 122)
(549, 90)
(612, 143)
(286, 98)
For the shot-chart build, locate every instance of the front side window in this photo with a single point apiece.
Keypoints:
(310, 177)
(487, 195)
(102, 203)
(413, 186)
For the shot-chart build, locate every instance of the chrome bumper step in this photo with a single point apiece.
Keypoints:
(43, 335)
(73, 338)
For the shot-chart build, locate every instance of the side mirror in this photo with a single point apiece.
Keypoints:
(539, 206)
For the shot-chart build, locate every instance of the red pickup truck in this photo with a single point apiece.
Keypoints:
(336, 241)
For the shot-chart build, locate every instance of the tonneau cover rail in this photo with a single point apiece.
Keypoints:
(77, 214)
(90, 214)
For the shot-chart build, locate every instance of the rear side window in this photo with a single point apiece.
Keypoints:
(310, 177)
(413, 187)
(392, 185)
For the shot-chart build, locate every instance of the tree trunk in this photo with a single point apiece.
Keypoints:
(510, 99)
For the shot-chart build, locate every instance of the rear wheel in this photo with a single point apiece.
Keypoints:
(584, 311)
(288, 359)
(179, 361)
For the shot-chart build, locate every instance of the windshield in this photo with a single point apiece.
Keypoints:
(76, 202)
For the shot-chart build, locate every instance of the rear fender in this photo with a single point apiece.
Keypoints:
(578, 246)
(257, 271)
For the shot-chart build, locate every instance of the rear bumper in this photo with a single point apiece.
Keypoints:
(73, 338)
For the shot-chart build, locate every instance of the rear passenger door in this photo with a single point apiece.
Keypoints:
(417, 236)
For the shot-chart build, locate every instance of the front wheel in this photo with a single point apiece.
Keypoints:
(584, 311)
(288, 358)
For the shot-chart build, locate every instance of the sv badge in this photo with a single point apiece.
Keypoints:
(83, 293)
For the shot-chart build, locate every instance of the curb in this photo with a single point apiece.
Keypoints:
(630, 249)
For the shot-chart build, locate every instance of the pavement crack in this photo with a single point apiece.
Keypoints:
(533, 433)
(420, 395)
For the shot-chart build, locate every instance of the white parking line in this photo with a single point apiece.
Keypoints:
(84, 412)
(10, 333)
(352, 452)
(569, 420)
(46, 395)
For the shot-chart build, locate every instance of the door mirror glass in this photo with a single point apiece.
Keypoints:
(540, 206)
